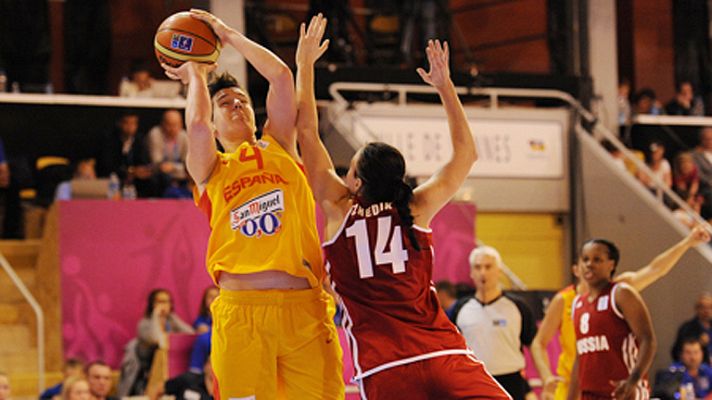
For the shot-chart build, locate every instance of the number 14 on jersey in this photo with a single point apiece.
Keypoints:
(396, 255)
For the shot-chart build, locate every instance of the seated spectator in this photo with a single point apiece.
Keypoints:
(645, 103)
(84, 170)
(692, 367)
(192, 386)
(702, 157)
(624, 109)
(200, 353)
(142, 85)
(685, 177)
(695, 203)
(76, 388)
(204, 321)
(98, 375)
(685, 102)
(72, 367)
(446, 295)
(655, 160)
(168, 148)
(158, 321)
(124, 152)
(5, 392)
(699, 327)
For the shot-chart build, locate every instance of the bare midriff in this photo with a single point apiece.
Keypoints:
(263, 280)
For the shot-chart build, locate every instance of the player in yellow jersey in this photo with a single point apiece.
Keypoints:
(273, 335)
(558, 314)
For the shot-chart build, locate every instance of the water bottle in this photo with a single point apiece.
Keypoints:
(129, 191)
(114, 185)
(687, 391)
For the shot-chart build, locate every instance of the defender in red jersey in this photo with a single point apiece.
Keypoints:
(615, 342)
(379, 254)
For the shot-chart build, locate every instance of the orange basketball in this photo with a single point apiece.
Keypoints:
(182, 38)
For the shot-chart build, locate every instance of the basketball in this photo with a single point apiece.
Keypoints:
(182, 38)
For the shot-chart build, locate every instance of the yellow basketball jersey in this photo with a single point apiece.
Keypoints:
(567, 335)
(262, 214)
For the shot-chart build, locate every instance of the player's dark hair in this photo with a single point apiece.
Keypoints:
(222, 81)
(613, 252)
(381, 168)
(151, 303)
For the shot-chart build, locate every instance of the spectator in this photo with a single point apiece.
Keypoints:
(703, 160)
(192, 386)
(124, 152)
(200, 353)
(624, 109)
(5, 391)
(685, 102)
(72, 368)
(496, 325)
(158, 321)
(646, 103)
(10, 208)
(685, 176)
(699, 327)
(84, 170)
(204, 321)
(655, 159)
(140, 83)
(99, 377)
(168, 148)
(76, 388)
(692, 367)
(446, 296)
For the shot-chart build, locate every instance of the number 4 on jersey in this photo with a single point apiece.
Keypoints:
(396, 256)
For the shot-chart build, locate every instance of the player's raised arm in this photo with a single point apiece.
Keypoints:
(198, 110)
(665, 261)
(436, 191)
(281, 105)
(328, 188)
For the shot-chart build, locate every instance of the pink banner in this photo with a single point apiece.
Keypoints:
(453, 240)
(113, 253)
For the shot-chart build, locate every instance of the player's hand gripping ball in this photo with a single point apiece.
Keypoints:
(182, 38)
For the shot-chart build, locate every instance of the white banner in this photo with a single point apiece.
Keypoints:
(506, 148)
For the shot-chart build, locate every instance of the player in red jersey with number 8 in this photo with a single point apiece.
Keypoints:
(379, 253)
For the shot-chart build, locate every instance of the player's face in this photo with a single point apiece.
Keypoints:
(233, 115)
(485, 272)
(352, 181)
(597, 266)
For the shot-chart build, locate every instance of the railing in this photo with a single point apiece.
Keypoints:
(40, 320)
(495, 94)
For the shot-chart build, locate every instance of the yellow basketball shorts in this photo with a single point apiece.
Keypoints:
(275, 344)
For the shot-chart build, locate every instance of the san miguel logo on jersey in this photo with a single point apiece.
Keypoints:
(260, 215)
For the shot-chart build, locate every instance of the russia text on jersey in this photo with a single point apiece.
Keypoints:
(592, 344)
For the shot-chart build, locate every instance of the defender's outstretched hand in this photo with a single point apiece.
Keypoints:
(698, 235)
(310, 47)
(189, 70)
(438, 58)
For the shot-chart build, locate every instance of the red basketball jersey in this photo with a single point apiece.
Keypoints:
(391, 311)
(606, 347)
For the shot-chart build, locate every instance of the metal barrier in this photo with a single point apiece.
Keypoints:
(40, 320)
(494, 95)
